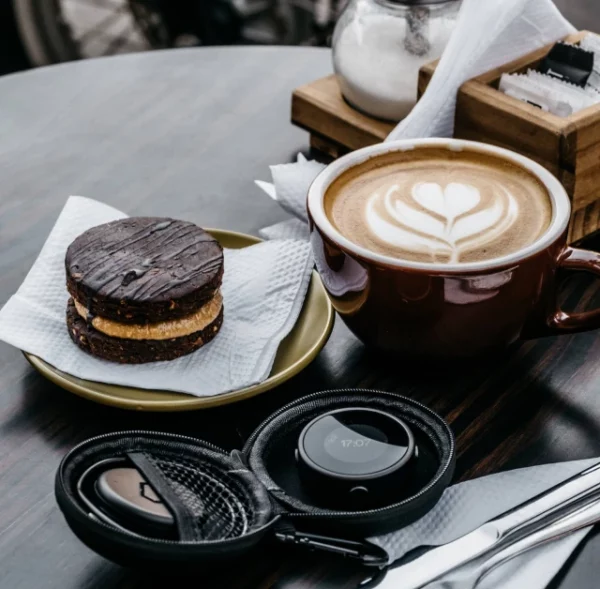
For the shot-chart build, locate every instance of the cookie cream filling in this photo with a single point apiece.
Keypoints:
(197, 321)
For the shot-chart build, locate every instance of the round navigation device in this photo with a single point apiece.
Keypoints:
(355, 457)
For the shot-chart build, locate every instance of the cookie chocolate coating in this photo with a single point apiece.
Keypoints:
(128, 351)
(144, 269)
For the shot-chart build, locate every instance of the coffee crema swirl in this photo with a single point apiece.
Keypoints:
(440, 206)
(441, 222)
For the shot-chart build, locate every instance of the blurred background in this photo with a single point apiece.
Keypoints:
(41, 32)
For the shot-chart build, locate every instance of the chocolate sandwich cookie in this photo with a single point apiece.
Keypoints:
(144, 289)
(144, 269)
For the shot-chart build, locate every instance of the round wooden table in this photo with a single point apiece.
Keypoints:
(184, 134)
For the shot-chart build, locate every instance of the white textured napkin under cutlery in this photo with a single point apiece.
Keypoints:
(264, 287)
(465, 506)
(488, 34)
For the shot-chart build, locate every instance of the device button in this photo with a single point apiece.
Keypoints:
(359, 492)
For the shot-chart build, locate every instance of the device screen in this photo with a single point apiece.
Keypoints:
(356, 442)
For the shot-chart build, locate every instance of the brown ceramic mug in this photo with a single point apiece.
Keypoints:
(449, 309)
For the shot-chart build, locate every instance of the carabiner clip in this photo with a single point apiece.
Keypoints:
(364, 552)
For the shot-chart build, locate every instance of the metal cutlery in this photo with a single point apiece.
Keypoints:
(519, 523)
(470, 576)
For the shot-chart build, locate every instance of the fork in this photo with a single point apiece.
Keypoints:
(469, 576)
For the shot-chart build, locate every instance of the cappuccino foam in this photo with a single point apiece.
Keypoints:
(436, 205)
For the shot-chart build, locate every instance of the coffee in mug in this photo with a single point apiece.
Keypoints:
(444, 247)
(439, 206)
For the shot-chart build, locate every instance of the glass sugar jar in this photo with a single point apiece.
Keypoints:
(379, 47)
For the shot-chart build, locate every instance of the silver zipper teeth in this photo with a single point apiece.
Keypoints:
(142, 432)
(354, 514)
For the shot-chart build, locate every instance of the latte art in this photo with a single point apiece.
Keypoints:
(440, 221)
(435, 205)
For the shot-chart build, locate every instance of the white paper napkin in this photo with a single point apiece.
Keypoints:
(289, 190)
(466, 506)
(263, 291)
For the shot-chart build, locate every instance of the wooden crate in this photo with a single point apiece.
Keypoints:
(567, 146)
(335, 127)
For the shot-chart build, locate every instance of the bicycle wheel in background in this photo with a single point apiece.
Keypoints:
(64, 30)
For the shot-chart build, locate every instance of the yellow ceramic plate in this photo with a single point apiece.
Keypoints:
(296, 351)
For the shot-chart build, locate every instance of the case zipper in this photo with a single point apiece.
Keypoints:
(347, 391)
(362, 551)
(141, 432)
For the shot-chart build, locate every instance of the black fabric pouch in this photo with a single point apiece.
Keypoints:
(227, 505)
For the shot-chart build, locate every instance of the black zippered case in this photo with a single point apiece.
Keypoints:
(226, 505)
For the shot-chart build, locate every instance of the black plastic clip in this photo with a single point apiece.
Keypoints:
(364, 552)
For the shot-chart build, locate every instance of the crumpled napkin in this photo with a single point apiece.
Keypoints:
(466, 506)
(290, 189)
(264, 287)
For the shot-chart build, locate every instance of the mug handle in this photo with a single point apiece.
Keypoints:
(583, 261)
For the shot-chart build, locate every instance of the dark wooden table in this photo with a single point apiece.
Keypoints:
(185, 134)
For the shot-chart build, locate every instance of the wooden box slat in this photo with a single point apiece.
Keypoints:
(496, 122)
(585, 159)
(581, 135)
(584, 222)
(320, 107)
(330, 148)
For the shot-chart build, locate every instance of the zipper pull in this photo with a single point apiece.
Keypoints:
(364, 552)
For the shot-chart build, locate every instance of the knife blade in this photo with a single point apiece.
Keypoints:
(470, 576)
(525, 519)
